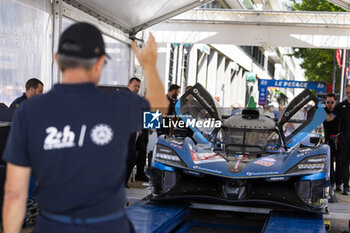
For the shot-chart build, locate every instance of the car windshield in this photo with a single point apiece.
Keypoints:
(241, 141)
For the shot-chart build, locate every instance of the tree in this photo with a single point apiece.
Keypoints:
(318, 63)
(316, 5)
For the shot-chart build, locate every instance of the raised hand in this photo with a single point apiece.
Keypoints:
(148, 55)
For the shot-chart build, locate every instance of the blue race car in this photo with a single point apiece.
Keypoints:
(243, 160)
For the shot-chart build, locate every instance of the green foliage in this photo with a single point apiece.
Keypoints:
(318, 63)
(316, 5)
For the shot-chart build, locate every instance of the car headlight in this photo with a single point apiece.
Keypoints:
(317, 163)
(167, 155)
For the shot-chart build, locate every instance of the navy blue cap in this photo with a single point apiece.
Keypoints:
(82, 40)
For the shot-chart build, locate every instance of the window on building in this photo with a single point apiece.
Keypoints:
(258, 56)
(256, 53)
(271, 68)
(263, 60)
(247, 49)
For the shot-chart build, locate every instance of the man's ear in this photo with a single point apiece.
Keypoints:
(96, 69)
(99, 64)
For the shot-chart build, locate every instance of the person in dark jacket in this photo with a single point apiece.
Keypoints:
(172, 94)
(34, 87)
(133, 86)
(342, 111)
(331, 135)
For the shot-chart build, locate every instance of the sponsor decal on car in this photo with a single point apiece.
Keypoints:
(208, 157)
(264, 163)
(303, 154)
(279, 178)
(206, 169)
(267, 162)
(272, 160)
(175, 141)
(198, 94)
(261, 173)
(176, 146)
(301, 102)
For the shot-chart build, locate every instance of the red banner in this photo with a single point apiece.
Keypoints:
(329, 88)
(338, 57)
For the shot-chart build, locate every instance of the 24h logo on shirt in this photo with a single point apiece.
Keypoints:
(101, 134)
(59, 139)
(151, 120)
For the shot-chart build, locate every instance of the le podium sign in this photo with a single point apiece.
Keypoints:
(320, 87)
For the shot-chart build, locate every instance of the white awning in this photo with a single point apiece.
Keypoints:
(132, 16)
(258, 28)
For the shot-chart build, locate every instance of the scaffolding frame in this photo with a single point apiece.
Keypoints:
(266, 18)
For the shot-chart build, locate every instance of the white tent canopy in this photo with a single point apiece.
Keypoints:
(258, 28)
(132, 16)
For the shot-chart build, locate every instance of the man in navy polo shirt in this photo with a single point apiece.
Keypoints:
(74, 139)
